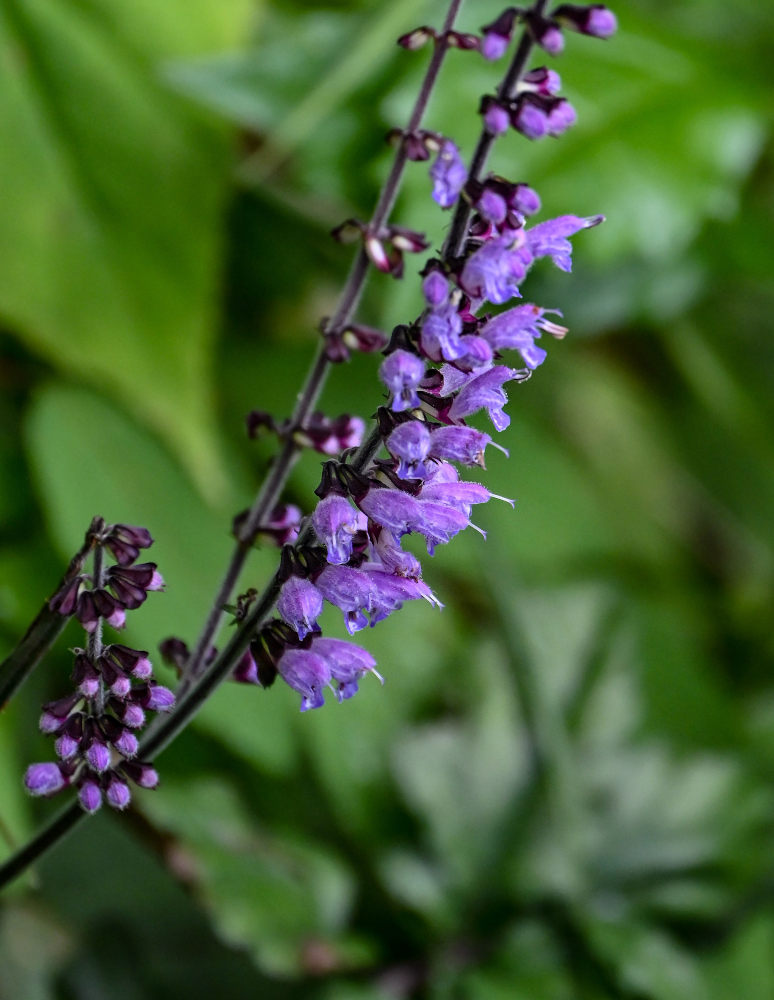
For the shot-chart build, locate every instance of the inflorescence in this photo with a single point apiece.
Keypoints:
(95, 725)
(445, 367)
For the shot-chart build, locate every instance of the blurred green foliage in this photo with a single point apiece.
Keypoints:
(563, 792)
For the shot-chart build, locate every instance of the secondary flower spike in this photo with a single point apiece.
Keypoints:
(94, 727)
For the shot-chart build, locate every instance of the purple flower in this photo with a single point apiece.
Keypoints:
(594, 20)
(440, 337)
(546, 33)
(347, 664)
(143, 775)
(98, 756)
(349, 590)
(516, 330)
(299, 604)
(495, 270)
(389, 556)
(492, 206)
(561, 116)
(155, 698)
(448, 174)
(477, 354)
(132, 715)
(459, 444)
(90, 795)
(542, 81)
(44, 779)
(460, 495)
(125, 542)
(335, 522)
(391, 509)
(117, 793)
(56, 713)
(493, 46)
(65, 599)
(485, 392)
(524, 200)
(126, 743)
(497, 36)
(388, 592)
(496, 116)
(435, 288)
(409, 443)
(529, 118)
(549, 239)
(401, 372)
(306, 672)
(439, 523)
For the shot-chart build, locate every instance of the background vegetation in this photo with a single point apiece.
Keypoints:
(564, 789)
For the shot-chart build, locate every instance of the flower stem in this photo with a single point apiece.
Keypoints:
(45, 629)
(505, 92)
(199, 681)
(269, 494)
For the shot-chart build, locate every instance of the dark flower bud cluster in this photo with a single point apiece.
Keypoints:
(384, 246)
(327, 435)
(95, 726)
(123, 588)
(446, 367)
(593, 19)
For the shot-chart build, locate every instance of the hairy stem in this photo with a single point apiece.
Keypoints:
(269, 494)
(199, 681)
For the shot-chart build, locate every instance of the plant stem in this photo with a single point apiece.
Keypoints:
(506, 91)
(45, 629)
(199, 681)
(269, 494)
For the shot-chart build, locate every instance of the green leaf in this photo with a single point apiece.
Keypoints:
(110, 223)
(266, 890)
(481, 762)
(647, 962)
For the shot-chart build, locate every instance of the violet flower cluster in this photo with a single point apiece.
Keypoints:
(451, 364)
(96, 724)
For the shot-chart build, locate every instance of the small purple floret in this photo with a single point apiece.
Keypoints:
(299, 604)
(485, 392)
(549, 239)
(401, 372)
(347, 663)
(448, 174)
(435, 288)
(496, 119)
(409, 443)
(335, 522)
(44, 779)
(441, 329)
(90, 795)
(117, 793)
(306, 672)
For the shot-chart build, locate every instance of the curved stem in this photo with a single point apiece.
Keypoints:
(272, 487)
(506, 91)
(45, 629)
(199, 681)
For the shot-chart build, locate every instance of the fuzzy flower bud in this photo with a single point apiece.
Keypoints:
(401, 372)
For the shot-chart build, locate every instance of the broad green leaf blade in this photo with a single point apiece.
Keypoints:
(113, 191)
(266, 890)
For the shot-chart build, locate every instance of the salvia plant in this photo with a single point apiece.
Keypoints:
(414, 471)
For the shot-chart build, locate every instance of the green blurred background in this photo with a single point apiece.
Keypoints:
(564, 790)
